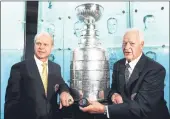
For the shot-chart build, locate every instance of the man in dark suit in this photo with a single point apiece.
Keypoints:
(137, 90)
(33, 85)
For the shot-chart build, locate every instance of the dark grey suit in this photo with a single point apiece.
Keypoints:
(144, 94)
(25, 95)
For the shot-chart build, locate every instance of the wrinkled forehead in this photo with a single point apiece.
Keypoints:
(44, 37)
(131, 36)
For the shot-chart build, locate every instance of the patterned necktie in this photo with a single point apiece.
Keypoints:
(44, 77)
(127, 73)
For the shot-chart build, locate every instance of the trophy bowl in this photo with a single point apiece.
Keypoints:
(89, 11)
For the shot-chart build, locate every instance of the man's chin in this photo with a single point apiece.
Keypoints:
(128, 58)
(41, 57)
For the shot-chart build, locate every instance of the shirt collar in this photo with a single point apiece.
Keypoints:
(39, 62)
(134, 62)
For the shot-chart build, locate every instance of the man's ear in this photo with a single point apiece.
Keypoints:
(142, 44)
(52, 47)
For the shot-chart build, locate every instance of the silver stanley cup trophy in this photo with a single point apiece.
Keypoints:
(89, 65)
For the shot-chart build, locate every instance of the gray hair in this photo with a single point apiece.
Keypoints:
(43, 33)
(140, 33)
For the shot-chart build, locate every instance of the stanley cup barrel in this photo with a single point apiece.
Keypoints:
(89, 70)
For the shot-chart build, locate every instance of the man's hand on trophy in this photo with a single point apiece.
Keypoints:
(101, 94)
(94, 107)
(117, 98)
(80, 94)
(66, 99)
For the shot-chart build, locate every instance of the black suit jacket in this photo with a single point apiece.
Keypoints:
(143, 96)
(25, 96)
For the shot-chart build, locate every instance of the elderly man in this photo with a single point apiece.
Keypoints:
(34, 84)
(137, 90)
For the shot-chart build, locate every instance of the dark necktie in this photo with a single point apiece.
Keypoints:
(127, 73)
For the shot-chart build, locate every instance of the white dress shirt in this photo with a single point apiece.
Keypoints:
(39, 65)
(132, 64)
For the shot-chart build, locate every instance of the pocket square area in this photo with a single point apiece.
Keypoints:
(133, 96)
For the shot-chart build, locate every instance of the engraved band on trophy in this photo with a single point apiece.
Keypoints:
(89, 69)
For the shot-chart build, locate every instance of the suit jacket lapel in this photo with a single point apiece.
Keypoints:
(50, 89)
(34, 73)
(136, 72)
(122, 75)
(133, 77)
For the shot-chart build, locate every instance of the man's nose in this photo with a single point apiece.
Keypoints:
(42, 46)
(127, 46)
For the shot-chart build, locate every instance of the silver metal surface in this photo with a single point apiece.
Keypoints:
(92, 75)
(87, 12)
(89, 54)
(89, 65)
(89, 69)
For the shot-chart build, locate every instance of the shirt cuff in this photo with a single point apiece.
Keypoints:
(107, 111)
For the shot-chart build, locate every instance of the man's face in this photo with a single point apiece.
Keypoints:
(42, 47)
(112, 26)
(78, 26)
(132, 47)
(149, 23)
